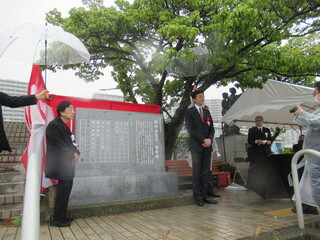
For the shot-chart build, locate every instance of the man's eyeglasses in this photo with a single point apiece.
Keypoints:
(258, 120)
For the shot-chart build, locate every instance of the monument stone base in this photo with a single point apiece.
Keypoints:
(101, 189)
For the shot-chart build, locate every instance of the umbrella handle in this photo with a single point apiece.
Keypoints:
(51, 98)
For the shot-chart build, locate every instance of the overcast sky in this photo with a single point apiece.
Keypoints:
(17, 12)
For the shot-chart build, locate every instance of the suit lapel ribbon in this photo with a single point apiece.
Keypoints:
(208, 121)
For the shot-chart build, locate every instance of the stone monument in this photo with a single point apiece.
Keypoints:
(121, 157)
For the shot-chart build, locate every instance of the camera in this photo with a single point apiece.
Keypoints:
(292, 110)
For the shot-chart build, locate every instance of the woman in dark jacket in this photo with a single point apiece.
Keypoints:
(62, 156)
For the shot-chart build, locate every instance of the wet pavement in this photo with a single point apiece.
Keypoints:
(238, 214)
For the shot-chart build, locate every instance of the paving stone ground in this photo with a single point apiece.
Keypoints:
(238, 214)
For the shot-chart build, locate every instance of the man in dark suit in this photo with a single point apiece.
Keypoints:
(201, 131)
(260, 141)
(13, 102)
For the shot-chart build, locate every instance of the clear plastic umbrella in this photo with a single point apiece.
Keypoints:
(186, 66)
(43, 45)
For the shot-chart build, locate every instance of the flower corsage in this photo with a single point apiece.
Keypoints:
(208, 120)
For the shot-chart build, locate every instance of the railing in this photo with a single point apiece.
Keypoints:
(296, 182)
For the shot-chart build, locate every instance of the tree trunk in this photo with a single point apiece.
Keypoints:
(172, 128)
(171, 134)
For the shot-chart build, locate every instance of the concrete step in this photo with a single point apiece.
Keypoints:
(11, 212)
(184, 183)
(15, 127)
(12, 176)
(19, 140)
(9, 199)
(9, 158)
(15, 151)
(18, 134)
(183, 198)
(14, 156)
(12, 172)
(11, 166)
(11, 187)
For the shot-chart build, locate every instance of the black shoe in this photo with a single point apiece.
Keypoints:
(59, 224)
(210, 201)
(69, 220)
(199, 203)
(213, 195)
(307, 210)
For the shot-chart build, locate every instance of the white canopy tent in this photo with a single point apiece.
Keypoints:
(273, 102)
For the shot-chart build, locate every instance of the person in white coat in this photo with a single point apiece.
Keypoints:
(310, 180)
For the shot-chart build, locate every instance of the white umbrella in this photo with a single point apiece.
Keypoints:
(43, 45)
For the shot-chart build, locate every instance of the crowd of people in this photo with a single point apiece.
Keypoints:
(201, 144)
(62, 154)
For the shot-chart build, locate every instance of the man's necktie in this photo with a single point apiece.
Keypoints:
(261, 129)
(201, 114)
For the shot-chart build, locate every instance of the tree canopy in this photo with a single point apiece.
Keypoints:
(153, 46)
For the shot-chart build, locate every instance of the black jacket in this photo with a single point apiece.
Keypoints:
(198, 129)
(60, 151)
(262, 150)
(297, 147)
(13, 102)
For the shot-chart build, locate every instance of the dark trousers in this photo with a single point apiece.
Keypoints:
(62, 199)
(211, 185)
(201, 173)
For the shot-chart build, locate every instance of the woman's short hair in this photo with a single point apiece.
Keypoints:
(62, 106)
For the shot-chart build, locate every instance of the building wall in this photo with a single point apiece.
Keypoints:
(13, 88)
(215, 109)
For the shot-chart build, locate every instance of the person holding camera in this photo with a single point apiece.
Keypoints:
(310, 180)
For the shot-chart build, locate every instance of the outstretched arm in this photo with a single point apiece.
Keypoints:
(44, 95)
